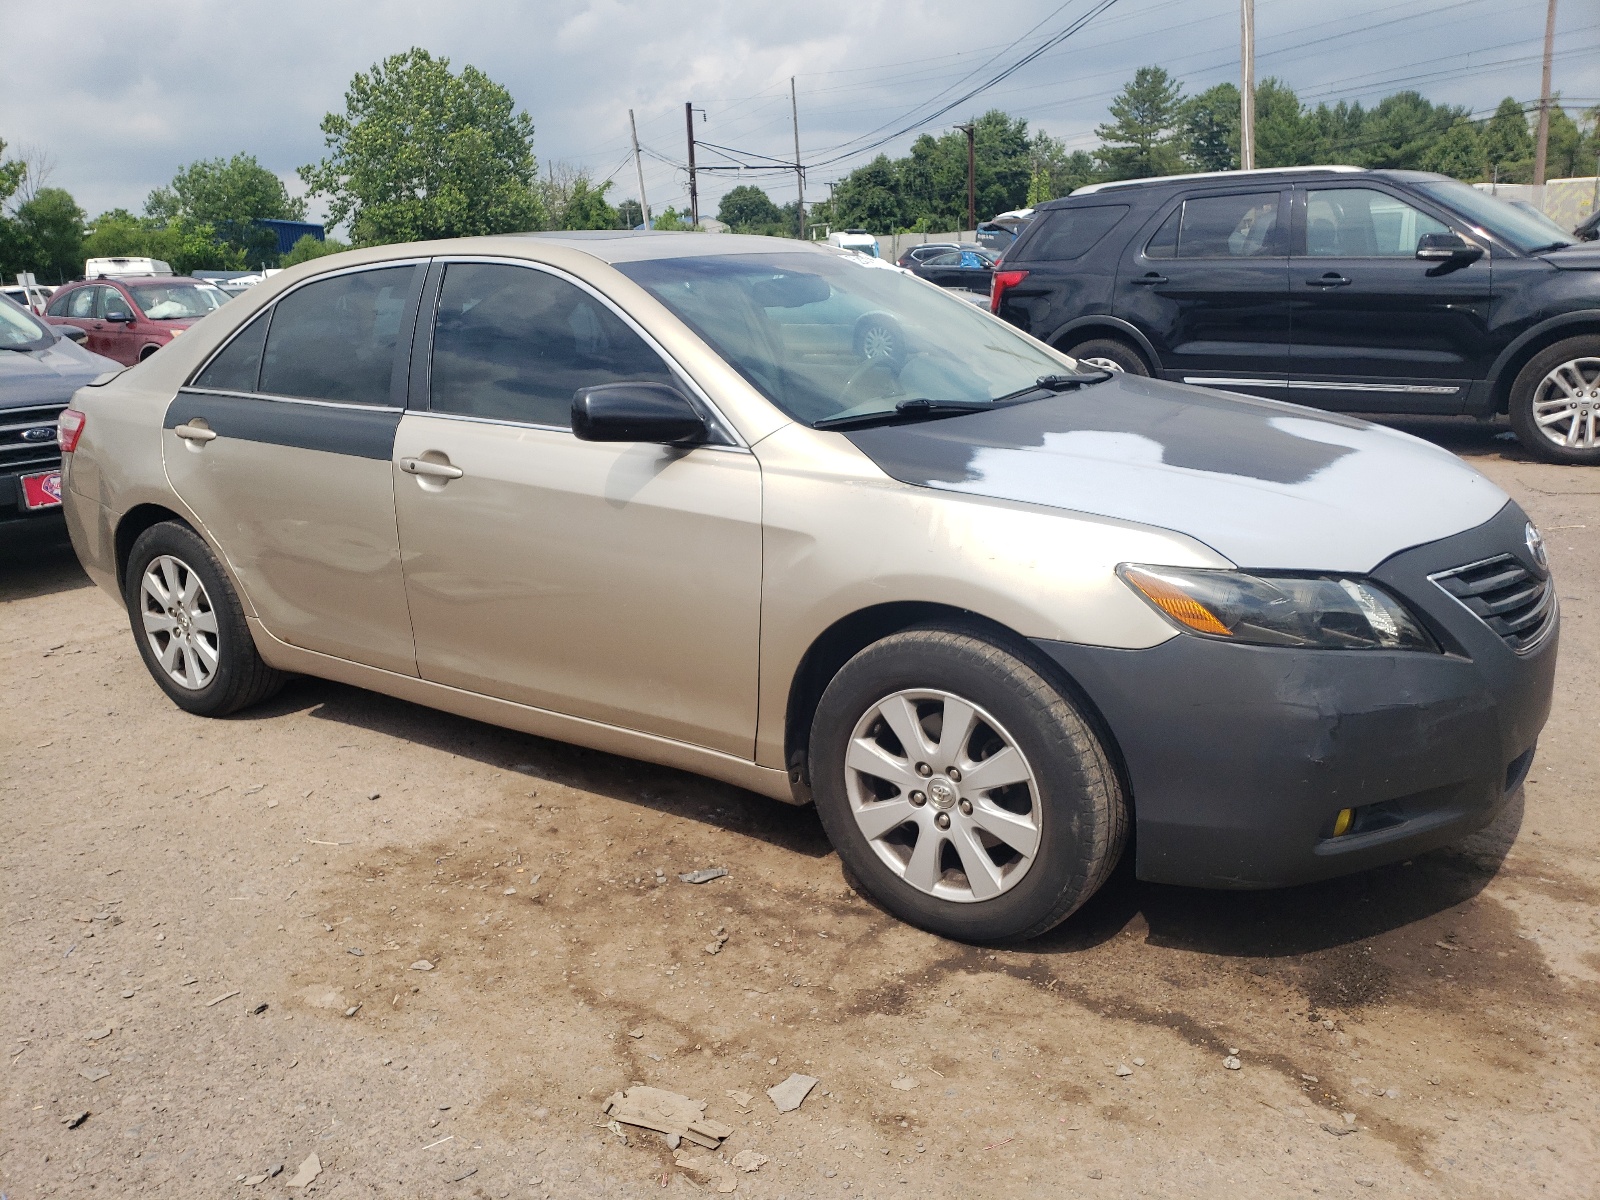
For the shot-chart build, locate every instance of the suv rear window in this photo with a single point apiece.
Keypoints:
(1072, 232)
(1238, 226)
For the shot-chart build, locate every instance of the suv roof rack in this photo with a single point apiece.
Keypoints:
(1090, 188)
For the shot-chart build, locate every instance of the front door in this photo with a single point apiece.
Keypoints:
(1375, 329)
(118, 337)
(281, 446)
(617, 582)
(1208, 284)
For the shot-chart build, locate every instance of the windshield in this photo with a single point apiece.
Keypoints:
(1522, 228)
(18, 329)
(175, 301)
(825, 335)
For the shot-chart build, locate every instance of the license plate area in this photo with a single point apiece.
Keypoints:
(42, 490)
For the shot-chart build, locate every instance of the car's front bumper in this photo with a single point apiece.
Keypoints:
(1239, 758)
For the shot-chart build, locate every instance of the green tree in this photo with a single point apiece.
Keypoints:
(1570, 152)
(49, 232)
(230, 195)
(1039, 187)
(1507, 144)
(422, 153)
(1283, 138)
(1458, 151)
(1208, 129)
(1140, 140)
(308, 248)
(12, 174)
(748, 209)
(629, 214)
(186, 245)
(672, 219)
(586, 207)
(869, 198)
(1336, 134)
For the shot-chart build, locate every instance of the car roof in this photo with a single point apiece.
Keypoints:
(1263, 173)
(631, 245)
(141, 279)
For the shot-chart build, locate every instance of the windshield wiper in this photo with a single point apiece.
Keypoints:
(1058, 383)
(914, 409)
(1550, 247)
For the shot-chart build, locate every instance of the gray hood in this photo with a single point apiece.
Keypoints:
(48, 376)
(1267, 485)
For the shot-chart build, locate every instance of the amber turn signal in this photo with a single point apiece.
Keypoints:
(1342, 823)
(1176, 603)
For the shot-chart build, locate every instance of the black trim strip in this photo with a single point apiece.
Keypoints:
(360, 433)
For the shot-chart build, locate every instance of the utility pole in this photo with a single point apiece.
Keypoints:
(1247, 84)
(972, 176)
(694, 194)
(1541, 148)
(799, 172)
(644, 205)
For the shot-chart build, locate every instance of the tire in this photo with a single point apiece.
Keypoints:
(1067, 793)
(147, 352)
(212, 667)
(1111, 355)
(1549, 387)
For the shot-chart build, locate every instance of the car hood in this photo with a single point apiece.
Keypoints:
(1585, 256)
(48, 376)
(1269, 486)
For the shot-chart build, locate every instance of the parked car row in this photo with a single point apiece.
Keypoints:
(129, 318)
(1344, 289)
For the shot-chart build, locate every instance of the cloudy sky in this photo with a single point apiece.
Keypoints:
(120, 95)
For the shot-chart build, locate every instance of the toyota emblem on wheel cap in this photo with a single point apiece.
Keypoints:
(1535, 542)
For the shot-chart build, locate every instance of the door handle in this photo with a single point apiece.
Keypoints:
(195, 433)
(433, 470)
(1149, 279)
(1331, 279)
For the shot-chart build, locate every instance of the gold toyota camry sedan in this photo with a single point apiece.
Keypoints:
(792, 518)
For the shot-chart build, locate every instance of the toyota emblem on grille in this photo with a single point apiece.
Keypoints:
(39, 433)
(1536, 546)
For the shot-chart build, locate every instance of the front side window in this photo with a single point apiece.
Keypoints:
(177, 301)
(513, 344)
(336, 339)
(828, 336)
(1363, 223)
(1241, 226)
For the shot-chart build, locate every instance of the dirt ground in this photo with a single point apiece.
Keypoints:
(208, 933)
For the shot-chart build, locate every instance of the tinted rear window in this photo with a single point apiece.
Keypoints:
(335, 339)
(1070, 233)
(238, 368)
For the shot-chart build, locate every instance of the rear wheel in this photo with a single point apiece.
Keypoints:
(1110, 355)
(189, 625)
(1555, 402)
(968, 796)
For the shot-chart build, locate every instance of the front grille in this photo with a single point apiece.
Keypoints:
(1506, 596)
(20, 454)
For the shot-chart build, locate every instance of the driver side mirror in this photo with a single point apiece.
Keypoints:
(119, 314)
(1447, 247)
(636, 412)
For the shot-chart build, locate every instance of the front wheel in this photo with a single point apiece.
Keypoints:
(190, 627)
(1110, 355)
(1555, 403)
(967, 794)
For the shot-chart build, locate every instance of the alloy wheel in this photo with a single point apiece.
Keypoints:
(179, 621)
(1105, 364)
(1566, 404)
(943, 795)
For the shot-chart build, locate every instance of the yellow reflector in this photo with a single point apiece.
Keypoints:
(1176, 603)
(1341, 823)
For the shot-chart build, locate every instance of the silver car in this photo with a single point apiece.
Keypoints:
(794, 519)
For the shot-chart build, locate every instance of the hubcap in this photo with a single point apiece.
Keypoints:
(877, 342)
(1566, 404)
(179, 622)
(943, 795)
(1105, 364)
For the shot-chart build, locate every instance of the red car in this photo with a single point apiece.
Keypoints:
(129, 318)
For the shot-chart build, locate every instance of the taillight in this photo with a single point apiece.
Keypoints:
(1002, 281)
(69, 428)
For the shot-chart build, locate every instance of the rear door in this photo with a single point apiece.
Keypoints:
(1375, 329)
(282, 444)
(616, 582)
(1207, 282)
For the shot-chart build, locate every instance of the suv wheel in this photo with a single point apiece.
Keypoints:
(1555, 402)
(963, 791)
(190, 627)
(1110, 355)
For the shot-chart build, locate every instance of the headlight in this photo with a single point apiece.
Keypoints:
(1331, 612)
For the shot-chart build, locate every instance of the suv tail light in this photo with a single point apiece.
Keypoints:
(1002, 281)
(69, 428)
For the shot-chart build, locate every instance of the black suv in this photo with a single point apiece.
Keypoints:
(1363, 291)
